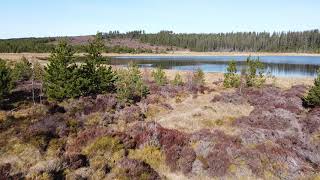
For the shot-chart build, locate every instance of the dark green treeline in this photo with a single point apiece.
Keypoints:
(305, 41)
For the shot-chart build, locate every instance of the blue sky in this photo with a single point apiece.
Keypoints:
(30, 18)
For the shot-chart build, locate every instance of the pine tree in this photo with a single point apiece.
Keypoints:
(93, 76)
(22, 70)
(313, 97)
(38, 71)
(198, 77)
(60, 73)
(130, 85)
(5, 79)
(231, 78)
(159, 76)
(177, 81)
(254, 73)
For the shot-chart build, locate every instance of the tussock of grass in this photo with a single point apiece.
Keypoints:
(94, 119)
(154, 110)
(103, 145)
(21, 155)
(54, 147)
(149, 154)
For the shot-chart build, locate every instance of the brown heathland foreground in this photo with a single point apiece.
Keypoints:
(176, 132)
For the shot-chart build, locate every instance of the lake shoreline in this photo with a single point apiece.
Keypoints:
(17, 56)
(213, 54)
(210, 77)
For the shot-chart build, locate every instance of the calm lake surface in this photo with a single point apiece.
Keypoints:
(293, 66)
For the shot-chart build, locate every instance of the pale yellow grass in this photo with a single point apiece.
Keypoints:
(17, 56)
(194, 114)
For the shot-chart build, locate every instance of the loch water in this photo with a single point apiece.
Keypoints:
(285, 66)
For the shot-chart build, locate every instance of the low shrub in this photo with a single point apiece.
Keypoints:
(218, 162)
(42, 132)
(5, 79)
(149, 154)
(254, 74)
(159, 76)
(198, 77)
(103, 145)
(22, 70)
(231, 78)
(75, 161)
(84, 137)
(177, 81)
(130, 85)
(313, 96)
(38, 71)
(134, 169)
(131, 114)
(195, 81)
(5, 170)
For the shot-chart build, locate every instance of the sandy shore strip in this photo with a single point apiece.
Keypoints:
(187, 53)
(17, 56)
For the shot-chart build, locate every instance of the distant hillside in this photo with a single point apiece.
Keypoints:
(122, 44)
(141, 42)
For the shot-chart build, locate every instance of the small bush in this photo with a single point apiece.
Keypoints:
(313, 97)
(177, 81)
(134, 169)
(131, 114)
(130, 85)
(159, 76)
(198, 77)
(5, 79)
(38, 71)
(22, 70)
(231, 78)
(254, 73)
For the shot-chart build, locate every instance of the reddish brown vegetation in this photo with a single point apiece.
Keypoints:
(279, 136)
(279, 130)
(84, 138)
(130, 114)
(137, 170)
(88, 105)
(75, 161)
(179, 154)
(5, 172)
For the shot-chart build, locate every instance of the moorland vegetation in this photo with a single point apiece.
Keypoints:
(89, 120)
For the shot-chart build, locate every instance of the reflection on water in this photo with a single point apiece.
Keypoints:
(277, 66)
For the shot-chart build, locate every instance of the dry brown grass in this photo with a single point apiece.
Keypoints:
(195, 114)
(17, 56)
(191, 114)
